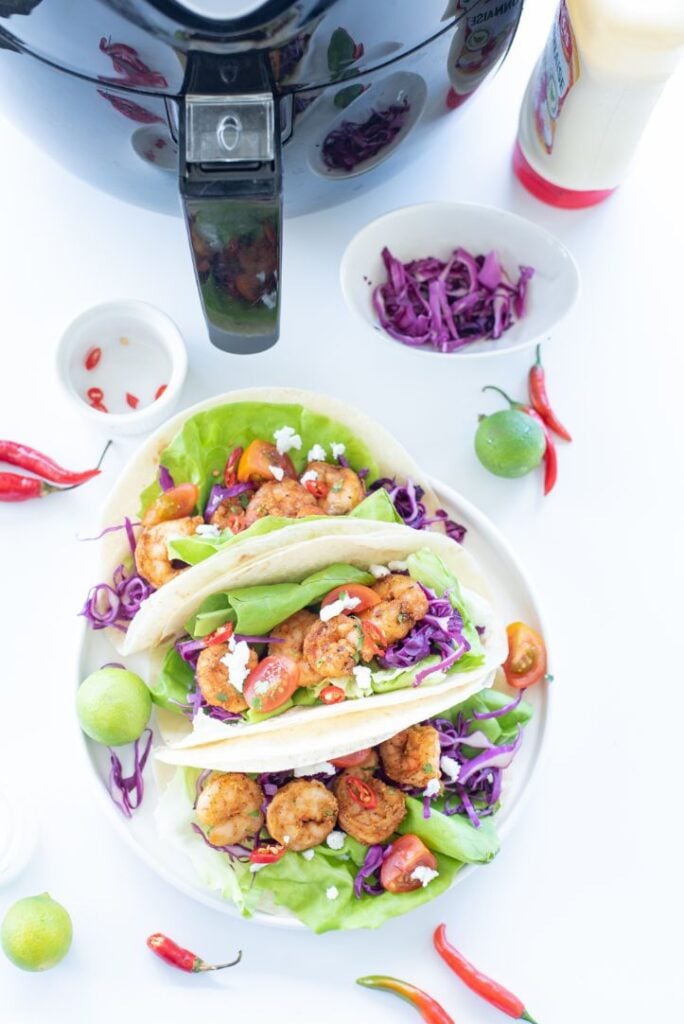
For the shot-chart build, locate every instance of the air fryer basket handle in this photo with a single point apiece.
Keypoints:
(231, 188)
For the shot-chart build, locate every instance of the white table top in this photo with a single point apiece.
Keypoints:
(578, 912)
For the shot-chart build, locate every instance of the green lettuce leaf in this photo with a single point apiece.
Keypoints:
(193, 550)
(173, 683)
(256, 610)
(452, 835)
(199, 451)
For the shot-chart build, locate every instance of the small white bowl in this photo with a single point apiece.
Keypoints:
(436, 229)
(140, 351)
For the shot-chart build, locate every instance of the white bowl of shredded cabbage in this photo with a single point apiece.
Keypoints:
(458, 279)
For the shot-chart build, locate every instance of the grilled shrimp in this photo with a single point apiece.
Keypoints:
(281, 498)
(293, 633)
(412, 756)
(301, 814)
(213, 678)
(340, 487)
(402, 604)
(229, 515)
(369, 825)
(151, 555)
(229, 808)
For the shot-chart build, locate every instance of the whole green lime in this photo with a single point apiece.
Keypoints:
(113, 706)
(36, 933)
(509, 443)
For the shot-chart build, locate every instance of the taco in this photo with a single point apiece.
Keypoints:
(223, 480)
(394, 622)
(350, 841)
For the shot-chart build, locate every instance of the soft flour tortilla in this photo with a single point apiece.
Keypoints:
(303, 734)
(124, 500)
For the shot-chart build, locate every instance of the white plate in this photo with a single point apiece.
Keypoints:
(436, 229)
(515, 599)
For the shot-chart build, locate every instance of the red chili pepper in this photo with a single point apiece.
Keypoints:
(477, 982)
(540, 399)
(230, 472)
(14, 487)
(550, 452)
(317, 488)
(220, 635)
(99, 406)
(92, 357)
(175, 955)
(361, 793)
(269, 853)
(132, 400)
(95, 394)
(36, 462)
(332, 694)
(429, 1009)
(160, 391)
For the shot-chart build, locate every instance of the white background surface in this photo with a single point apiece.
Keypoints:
(580, 911)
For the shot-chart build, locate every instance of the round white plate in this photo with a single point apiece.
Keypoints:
(515, 599)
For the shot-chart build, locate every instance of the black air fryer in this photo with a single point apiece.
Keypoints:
(241, 105)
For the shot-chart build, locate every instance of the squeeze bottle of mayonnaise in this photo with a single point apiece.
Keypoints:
(591, 93)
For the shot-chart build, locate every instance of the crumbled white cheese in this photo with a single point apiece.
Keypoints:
(277, 472)
(286, 438)
(256, 867)
(316, 454)
(423, 874)
(208, 530)
(450, 767)
(286, 840)
(337, 449)
(332, 892)
(324, 768)
(235, 661)
(343, 603)
(307, 854)
(397, 566)
(362, 675)
(379, 571)
(336, 839)
(433, 788)
(310, 475)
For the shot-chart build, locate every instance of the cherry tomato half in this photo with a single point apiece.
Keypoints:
(351, 760)
(364, 595)
(332, 694)
(175, 503)
(271, 683)
(256, 460)
(269, 853)
(526, 661)
(407, 853)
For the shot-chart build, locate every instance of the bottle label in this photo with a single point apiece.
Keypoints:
(557, 72)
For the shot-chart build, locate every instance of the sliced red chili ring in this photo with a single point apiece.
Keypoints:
(361, 793)
(230, 473)
(92, 357)
(220, 635)
(318, 489)
(99, 406)
(332, 694)
(132, 400)
(269, 853)
(95, 394)
(160, 391)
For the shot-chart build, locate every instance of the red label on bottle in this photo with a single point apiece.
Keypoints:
(556, 73)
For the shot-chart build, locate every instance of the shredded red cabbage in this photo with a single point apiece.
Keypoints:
(165, 479)
(449, 304)
(219, 494)
(370, 868)
(440, 632)
(127, 790)
(482, 715)
(348, 145)
(117, 603)
(407, 500)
